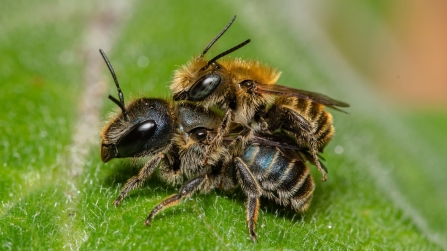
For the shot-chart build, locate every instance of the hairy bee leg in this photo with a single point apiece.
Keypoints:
(264, 125)
(253, 191)
(239, 143)
(139, 179)
(252, 215)
(186, 190)
(313, 151)
(310, 158)
(303, 124)
(223, 129)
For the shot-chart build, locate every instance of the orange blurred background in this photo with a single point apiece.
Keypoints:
(400, 45)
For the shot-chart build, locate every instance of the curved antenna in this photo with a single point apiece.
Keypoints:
(217, 37)
(214, 59)
(120, 103)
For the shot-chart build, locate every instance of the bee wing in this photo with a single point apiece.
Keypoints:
(263, 140)
(280, 90)
(274, 141)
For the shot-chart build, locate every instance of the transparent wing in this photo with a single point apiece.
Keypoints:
(280, 90)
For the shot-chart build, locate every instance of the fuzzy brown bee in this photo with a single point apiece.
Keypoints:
(247, 91)
(176, 138)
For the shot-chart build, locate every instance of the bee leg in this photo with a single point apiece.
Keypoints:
(223, 129)
(239, 143)
(307, 128)
(299, 120)
(253, 191)
(264, 125)
(186, 190)
(313, 151)
(252, 216)
(139, 179)
(311, 159)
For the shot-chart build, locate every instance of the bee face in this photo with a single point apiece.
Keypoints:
(204, 81)
(196, 83)
(191, 151)
(148, 129)
(197, 127)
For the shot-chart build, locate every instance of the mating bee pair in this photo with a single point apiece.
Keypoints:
(261, 140)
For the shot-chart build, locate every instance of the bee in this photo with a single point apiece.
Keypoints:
(177, 137)
(247, 91)
(150, 127)
(268, 167)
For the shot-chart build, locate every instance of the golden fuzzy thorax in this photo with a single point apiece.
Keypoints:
(251, 69)
(247, 103)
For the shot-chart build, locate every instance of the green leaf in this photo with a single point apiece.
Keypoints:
(387, 184)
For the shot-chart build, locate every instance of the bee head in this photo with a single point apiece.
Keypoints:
(144, 127)
(206, 78)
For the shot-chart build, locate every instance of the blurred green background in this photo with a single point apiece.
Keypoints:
(387, 183)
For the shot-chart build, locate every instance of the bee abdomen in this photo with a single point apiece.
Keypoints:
(266, 163)
(315, 113)
(324, 130)
(287, 181)
(302, 198)
(293, 179)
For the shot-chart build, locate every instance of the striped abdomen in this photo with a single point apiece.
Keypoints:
(282, 179)
(314, 113)
(320, 118)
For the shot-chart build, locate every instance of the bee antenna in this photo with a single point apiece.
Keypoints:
(116, 101)
(120, 103)
(226, 53)
(218, 36)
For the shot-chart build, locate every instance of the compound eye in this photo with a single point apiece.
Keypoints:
(199, 134)
(133, 141)
(204, 87)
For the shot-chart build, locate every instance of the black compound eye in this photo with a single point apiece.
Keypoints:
(133, 141)
(199, 134)
(204, 87)
(246, 84)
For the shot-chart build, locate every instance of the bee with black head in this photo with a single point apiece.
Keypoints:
(153, 127)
